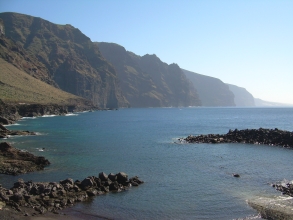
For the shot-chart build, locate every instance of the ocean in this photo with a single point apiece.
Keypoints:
(182, 181)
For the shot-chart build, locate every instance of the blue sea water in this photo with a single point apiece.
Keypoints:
(182, 181)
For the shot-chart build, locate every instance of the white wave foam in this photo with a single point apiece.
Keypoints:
(71, 114)
(28, 117)
(46, 116)
(11, 125)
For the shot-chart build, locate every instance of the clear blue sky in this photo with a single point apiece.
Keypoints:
(248, 43)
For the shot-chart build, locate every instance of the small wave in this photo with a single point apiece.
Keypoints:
(46, 116)
(71, 114)
(28, 117)
(39, 133)
(257, 216)
(11, 125)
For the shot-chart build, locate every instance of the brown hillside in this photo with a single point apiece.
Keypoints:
(17, 86)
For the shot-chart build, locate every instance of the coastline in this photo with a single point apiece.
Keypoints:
(53, 215)
(10, 114)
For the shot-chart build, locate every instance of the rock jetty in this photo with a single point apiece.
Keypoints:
(42, 197)
(250, 136)
(14, 161)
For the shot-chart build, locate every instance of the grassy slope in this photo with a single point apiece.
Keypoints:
(17, 86)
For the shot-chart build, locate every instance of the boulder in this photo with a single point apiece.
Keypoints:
(112, 177)
(87, 183)
(122, 177)
(103, 176)
(68, 180)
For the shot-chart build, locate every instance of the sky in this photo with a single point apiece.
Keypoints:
(248, 43)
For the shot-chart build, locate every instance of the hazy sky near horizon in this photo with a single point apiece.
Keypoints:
(248, 43)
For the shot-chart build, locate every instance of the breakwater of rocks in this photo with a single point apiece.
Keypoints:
(250, 136)
(42, 197)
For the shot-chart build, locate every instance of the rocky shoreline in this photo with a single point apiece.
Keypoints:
(10, 113)
(250, 136)
(15, 162)
(33, 198)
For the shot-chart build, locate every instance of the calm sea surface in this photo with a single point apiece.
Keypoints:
(182, 181)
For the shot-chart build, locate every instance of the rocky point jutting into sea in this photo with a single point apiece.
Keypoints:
(250, 136)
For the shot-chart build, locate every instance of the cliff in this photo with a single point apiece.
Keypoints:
(211, 91)
(62, 56)
(147, 81)
(241, 96)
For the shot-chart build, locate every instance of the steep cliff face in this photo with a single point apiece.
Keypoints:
(148, 82)
(64, 57)
(212, 91)
(241, 96)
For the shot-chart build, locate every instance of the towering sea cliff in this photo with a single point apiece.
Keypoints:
(62, 56)
(212, 91)
(146, 81)
(241, 96)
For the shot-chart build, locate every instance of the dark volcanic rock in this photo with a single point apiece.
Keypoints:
(251, 136)
(285, 187)
(14, 161)
(51, 196)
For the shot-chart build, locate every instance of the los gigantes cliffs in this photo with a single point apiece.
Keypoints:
(146, 81)
(212, 91)
(241, 96)
(62, 56)
(105, 75)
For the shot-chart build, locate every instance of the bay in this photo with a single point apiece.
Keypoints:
(182, 181)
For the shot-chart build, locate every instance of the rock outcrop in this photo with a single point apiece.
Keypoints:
(42, 197)
(9, 112)
(14, 161)
(250, 136)
(286, 187)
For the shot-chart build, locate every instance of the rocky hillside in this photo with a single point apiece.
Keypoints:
(19, 87)
(62, 56)
(241, 96)
(22, 95)
(212, 91)
(147, 81)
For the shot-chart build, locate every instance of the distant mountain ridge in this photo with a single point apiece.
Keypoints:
(146, 81)
(262, 103)
(105, 73)
(212, 91)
